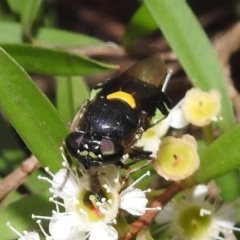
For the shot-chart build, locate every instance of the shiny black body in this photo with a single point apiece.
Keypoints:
(106, 129)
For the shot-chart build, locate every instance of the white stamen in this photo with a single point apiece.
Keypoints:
(40, 217)
(114, 221)
(83, 212)
(52, 190)
(47, 170)
(64, 164)
(204, 212)
(14, 230)
(63, 155)
(108, 189)
(57, 203)
(148, 190)
(138, 180)
(45, 179)
(43, 231)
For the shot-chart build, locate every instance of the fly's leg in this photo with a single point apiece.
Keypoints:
(67, 159)
(130, 171)
(164, 103)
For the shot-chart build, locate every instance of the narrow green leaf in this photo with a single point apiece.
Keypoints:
(16, 6)
(193, 48)
(31, 113)
(49, 36)
(9, 199)
(221, 157)
(29, 12)
(229, 185)
(19, 214)
(64, 101)
(71, 93)
(12, 32)
(54, 62)
(58, 37)
(80, 91)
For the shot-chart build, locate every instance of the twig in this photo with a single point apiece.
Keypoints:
(145, 220)
(17, 177)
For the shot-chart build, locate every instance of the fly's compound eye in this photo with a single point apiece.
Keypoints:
(73, 141)
(111, 150)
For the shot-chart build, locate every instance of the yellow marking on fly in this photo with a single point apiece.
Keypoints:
(124, 96)
(92, 155)
(85, 153)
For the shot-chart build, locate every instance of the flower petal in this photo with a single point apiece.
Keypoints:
(65, 226)
(177, 119)
(103, 231)
(30, 236)
(65, 184)
(134, 201)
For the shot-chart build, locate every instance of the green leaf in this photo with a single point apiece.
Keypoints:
(34, 185)
(19, 214)
(49, 36)
(71, 93)
(229, 185)
(27, 9)
(16, 6)
(28, 14)
(31, 113)
(221, 157)
(141, 24)
(58, 37)
(12, 32)
(54, 62)
(188, 40)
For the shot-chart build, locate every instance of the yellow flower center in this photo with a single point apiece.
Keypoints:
(194, 224)
(89, 204)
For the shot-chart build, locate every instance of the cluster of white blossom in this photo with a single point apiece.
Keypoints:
(83, 212)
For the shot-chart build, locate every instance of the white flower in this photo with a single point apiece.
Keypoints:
(194, 217)
(91, 203)
(85, 210)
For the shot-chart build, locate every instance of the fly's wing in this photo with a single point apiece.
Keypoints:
(151, 70)
(154, 71)
(76, 121)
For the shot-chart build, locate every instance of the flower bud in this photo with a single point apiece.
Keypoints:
(201, 108)
(177, 158)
